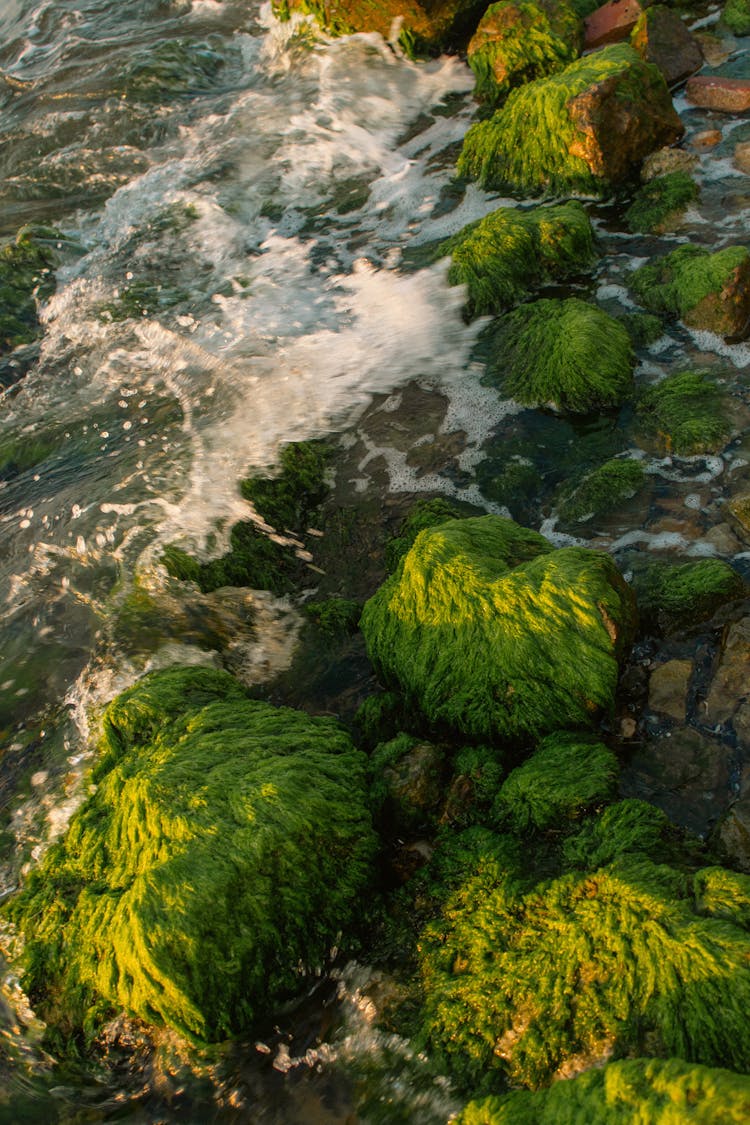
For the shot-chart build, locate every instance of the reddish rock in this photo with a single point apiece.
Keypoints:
(611, 23)
(660, 37)
(729, 95)
(707, 138)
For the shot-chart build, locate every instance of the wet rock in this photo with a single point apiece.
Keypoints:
(715, 50)
(730, 685)
(728, 95)
(666, 161)
(723, 540)
(407, 778)
(710, 291)
(739, 508)
(660, 37)
(742, 157)
(741, 724)
(734, 831)
(667, 689)
(611, 23)
(706, 139)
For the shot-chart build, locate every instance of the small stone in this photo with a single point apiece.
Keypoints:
(728, 95)
(742, 157)
(611, 23)
(731, 682)
(723, 540)
(668, 160)
(628, 727)
(708, 138)
(739, 507)
(715, 50)
(667, 689)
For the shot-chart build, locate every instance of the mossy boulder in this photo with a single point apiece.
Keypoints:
(736, 16)
(562, 353)
(511, 251)
(568, 774)
(422, 26)
(685, 411)
(709, 291)
(659, 205)
(492, 634)
(629, 1092)
(674, 596)
(601, 490)
(519, 41)
(524, 979)
(26, 276)
(584, 129)
(220, 853)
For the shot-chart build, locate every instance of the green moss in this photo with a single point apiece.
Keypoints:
(220, 852)
(520, 981)
(660, 202)
(517, 42)
(686, 412)
(723, 894)
(380, 718)
(673, 596)
(566, 775)
(562, 352)
(736, 16)
(514, 485)
(335, 617)
(643, 328)
(172, 68)
(424, 514)
(625, 828)
(688, 283)
(26, 277)
(532, 143)
(406, 783)
(478, 772)
(502, 257)
(602, 490)
(492, 634)
(289, 500)
(630, 1092)
(140, 299)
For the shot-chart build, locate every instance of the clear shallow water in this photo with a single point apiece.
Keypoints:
(254, 222)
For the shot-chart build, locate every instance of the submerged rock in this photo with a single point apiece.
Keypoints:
(502, 257)
(686, 412)
(565, 353)
(519, 41)
(601, 490)
(629, 1092)
(584, 129)
(492, 634)
(219, 854)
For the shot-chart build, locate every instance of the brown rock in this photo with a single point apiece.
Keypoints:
(727, 313)
(715, 50)
(667, 689)
(708, 138)
(739, 507)
(742, 157)
(731, 682)
(723, 540)
(616, 127)
(660, 37)
(734, 830)
(611, 23)
(432, 25)
(668, 160)
(729, 95)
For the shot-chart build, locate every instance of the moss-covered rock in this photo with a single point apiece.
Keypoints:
(567, 774)
(625, 828)
(492, 634)
(686, 413)
(583, 129)
(424, 514)
(643, 328)
(334, 617)
(630, 1092)
(502, 257)
(220, 852)
(601, 490)
(736, 16)
(406, 785)
(706, 290)
(564, 353)
(423, 26)
(659, 205)
(26, 277)
(673, 596)
(524, 980)
(519, 41)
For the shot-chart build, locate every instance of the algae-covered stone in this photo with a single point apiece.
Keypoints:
(675, 596)
(406, 782)
(601, 490)
(422, 26)
(511, 251)
(629, 1092)
(566, 775)
(219, 854)
(26, 276)
(491, 633)
(660, 204)
(526, 980)
(519, 41)
(736, 16)
(627, 827)
(686, 412)
(706, 290)
(564, 353)
(583, 129)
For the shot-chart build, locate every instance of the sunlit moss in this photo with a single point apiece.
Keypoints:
(489, 632)
(424, 514)
(630, 1092)
(521, 980)
(565, 353)
(567, 774)
(686, 412)
(660, 202)
(673, 596)
(502, 257)
(218, 855)
(690, 283)
(517, 42)
(602, 490)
